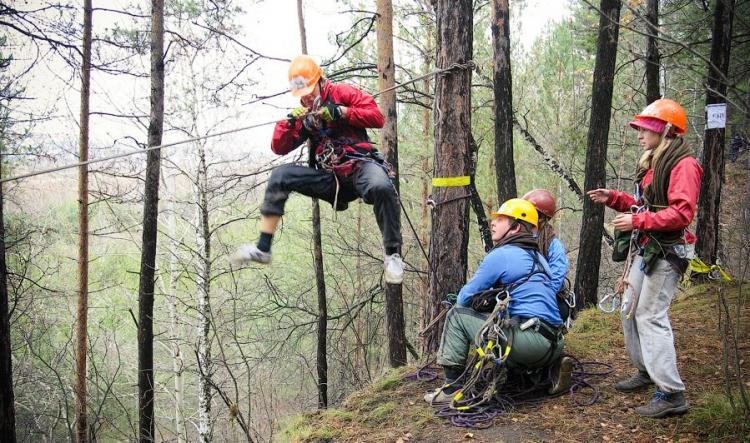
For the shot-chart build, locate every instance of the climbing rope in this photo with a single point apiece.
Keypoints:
(488, 388)
(129, 153)
(524, 389)
(454, 66)
(468, 65)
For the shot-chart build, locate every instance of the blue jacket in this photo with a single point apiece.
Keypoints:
(558, 263)
(535, 297)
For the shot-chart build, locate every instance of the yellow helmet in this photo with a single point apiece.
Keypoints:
(519, 209)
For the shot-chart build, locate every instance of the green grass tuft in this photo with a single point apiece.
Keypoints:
(715, 418)
(296, 429)
(383, 412)
(594, 332)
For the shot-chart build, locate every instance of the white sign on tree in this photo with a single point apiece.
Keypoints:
(716, 115)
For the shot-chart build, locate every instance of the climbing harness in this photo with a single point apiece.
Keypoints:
(610, 302)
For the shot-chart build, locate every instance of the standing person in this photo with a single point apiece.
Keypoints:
(554, 251)
(516, 264)
(667, 187)
(344, 164)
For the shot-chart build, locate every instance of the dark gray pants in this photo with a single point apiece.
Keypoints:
(369, 182)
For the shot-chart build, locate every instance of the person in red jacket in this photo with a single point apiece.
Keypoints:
(667, 187)
(344, 165)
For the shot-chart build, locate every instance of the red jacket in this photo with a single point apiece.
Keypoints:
(684, 187)
(362, 113)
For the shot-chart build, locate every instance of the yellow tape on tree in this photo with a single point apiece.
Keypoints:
(442, 182)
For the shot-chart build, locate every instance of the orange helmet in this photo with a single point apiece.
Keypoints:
(304, 73)
(543, 201)
(660, 112)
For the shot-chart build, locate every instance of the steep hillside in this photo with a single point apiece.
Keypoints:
(392, 410)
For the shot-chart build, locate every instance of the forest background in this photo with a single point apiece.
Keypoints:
(235, 350)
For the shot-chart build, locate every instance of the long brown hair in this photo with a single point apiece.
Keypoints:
(546, 233)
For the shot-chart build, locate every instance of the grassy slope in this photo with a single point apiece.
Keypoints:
(392, 409)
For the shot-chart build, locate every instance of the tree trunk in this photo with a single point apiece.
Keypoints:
(476, 201)
(502, 85)
(424, 224)
(150, 218)
(394, 306)
(203, 282)
(450, 221)
(652, 52)
(589, 253)
(707, 246)
(7, 399)
(83, 232)
(320, 279)
(178, 363)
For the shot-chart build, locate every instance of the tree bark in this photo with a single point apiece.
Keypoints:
(652, 52)
(394, 306)
(476, 201)
(150, 218)
(707, 246)
(7, 398)
(589, 253)
(83, 232)
(178, 362)
(320, 279)
(505, 170)
(203, 282)
(449, 234)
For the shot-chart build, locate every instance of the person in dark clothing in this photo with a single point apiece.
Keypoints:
(345, 166)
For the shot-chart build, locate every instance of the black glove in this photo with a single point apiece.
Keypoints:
(330, 111)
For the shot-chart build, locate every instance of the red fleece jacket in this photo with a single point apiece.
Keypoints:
(682, 196)
(362, 113)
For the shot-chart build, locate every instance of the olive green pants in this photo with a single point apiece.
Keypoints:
(529, 348)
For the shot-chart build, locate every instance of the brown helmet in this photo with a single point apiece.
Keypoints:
(543, 201)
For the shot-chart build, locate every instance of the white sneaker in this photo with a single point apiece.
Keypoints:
(394, 269)
(249, 253)
(438, 397)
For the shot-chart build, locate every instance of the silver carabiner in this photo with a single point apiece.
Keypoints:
(613, 304)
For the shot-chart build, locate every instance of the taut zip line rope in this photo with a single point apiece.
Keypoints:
(127, 154)
(468, 65)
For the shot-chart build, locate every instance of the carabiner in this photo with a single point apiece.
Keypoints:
(613, 304)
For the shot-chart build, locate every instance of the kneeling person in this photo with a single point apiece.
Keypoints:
(515, 263)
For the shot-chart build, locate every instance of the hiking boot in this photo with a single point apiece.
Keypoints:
(562, 377)
(249, 253)
(639, 381)
(663, 404)
(438, 397)
(394, 269)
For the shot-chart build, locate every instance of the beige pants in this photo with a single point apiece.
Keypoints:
(648, 334)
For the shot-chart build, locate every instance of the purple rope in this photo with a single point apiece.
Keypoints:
(426, 373)
(516, 394)
(580, 378)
